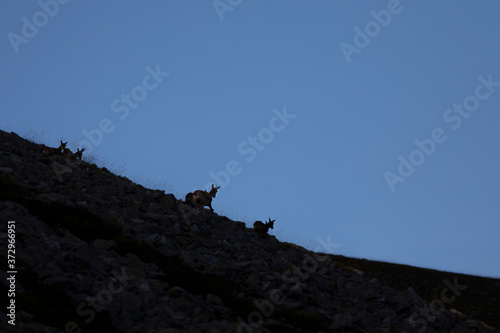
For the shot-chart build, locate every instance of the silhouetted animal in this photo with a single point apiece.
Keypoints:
(48, 151)
(79, 153)
(200, 199)
(68, 153)
(262, 228)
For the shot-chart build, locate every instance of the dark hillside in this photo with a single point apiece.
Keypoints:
(96, 252)
(479, 297)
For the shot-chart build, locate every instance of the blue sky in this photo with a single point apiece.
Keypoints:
(305, 112)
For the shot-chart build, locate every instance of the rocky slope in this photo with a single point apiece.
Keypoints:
(96, 251)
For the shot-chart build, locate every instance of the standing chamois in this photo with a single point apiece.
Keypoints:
(263, 228)
(200, 199)
(48, 151)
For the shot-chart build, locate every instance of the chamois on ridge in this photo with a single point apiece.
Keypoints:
(49, 151)
(79, 153)
(262, 228)
(200, 199)
(68, 153)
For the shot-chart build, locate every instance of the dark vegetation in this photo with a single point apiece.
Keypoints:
(480, 300)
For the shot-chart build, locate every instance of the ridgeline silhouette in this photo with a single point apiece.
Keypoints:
(94, 251)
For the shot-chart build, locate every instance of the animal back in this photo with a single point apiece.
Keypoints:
(202, 197)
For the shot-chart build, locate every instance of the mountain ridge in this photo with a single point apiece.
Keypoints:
(96, 251)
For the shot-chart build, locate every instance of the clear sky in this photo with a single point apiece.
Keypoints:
(365, 128)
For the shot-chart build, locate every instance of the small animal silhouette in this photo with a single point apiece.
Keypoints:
(68, 153)
(79, 153)
(262, 228)
(200, 199)
(48, 151)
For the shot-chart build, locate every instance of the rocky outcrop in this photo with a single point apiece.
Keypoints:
(96, 251)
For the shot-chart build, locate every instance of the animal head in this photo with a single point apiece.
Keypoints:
(213, 191)
(270, 223)
(80, 151)
(63, 145)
